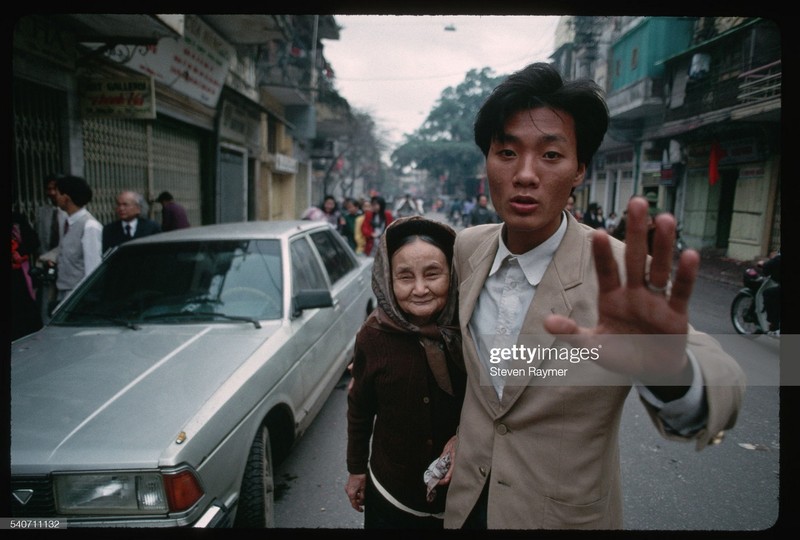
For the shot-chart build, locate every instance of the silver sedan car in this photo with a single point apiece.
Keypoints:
(175, 376)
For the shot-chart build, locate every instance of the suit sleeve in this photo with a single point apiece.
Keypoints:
(724, 386)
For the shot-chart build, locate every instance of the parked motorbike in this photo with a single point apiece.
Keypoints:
(748, 314)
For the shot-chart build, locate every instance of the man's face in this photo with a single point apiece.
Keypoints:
(531, 174)
(127, 209)
(62, 200)
(52, 192)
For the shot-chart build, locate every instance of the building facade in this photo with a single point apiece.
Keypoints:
(695, 120)
(217, 109)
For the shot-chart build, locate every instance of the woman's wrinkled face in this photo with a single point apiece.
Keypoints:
(420, 281)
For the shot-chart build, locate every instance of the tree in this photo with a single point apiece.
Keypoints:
(444, 144)
(359, 156)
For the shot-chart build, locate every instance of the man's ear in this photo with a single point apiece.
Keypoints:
(579, 175)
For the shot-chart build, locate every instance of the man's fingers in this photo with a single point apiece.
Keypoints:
(636, 241)
(604, 262)
(685, 277)
(663, 242)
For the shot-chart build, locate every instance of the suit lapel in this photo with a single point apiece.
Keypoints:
(478, 265)
(480, 262)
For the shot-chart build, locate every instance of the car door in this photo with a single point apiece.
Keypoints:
(313, 330)
(349, 286)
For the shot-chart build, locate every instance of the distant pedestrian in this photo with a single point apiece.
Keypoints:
(49, 218)
(593, 216)
(332, 213)
(131, 223)
(375, 222)
(81, 247)
(25, 315)
(407, 207)
(358, 230)
(611, 222)
(49, 227)
(466, 210)
(352, 211)
(173, 215)
(482, 214)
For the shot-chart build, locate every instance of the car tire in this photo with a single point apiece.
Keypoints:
(256, 507)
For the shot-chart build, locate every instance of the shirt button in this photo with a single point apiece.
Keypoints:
(426, 400)
(501, 429)
(482, 470)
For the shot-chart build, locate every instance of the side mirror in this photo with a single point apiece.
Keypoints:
(309, 299)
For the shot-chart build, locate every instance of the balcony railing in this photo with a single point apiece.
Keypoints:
(638, 99)
(761, 83)
(729, 91)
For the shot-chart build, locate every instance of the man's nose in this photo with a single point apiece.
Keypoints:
(526, 173)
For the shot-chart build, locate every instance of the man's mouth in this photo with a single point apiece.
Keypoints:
(524, 204)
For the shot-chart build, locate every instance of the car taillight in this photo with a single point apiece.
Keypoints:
(183, 490)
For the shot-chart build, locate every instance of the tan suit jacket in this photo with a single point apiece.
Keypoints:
(550, 453)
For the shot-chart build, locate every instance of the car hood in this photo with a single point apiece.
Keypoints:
(116, 397)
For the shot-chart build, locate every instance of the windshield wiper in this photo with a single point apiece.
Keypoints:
(116, 320)
(196, 314)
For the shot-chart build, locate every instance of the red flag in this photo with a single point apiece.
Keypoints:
(713, 163)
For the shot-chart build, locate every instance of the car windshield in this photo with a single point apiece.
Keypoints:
(179, 283)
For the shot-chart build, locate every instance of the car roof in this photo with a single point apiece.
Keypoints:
(230, 231)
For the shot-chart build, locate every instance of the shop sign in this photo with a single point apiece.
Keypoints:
(285, 164)
(120, 97)
(194, 65)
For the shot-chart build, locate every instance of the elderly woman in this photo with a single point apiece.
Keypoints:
(408, 381)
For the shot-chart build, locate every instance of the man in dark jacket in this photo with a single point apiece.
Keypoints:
(482, 214)
(131, 224)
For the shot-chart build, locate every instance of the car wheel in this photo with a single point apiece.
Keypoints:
(256, 508)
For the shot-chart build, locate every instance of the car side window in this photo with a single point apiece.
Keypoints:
(306, 272)
(337, 260)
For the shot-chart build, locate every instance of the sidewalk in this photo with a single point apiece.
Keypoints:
(718, 268)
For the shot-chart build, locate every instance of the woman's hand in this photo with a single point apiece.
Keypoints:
(356, 483)
(449, 448)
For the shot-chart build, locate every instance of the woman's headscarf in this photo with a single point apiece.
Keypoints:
(388, 315)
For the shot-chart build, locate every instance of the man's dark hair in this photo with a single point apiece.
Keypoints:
(164, 196)
(540, 85)
(76, 187)
(52, 177)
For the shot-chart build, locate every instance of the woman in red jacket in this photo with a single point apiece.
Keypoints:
(375, 222)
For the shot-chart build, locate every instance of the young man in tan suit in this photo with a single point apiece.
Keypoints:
(538, 439)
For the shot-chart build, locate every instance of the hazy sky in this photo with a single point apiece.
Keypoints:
(395, 67)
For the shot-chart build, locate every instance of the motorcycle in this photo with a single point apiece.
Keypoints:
(748, 315)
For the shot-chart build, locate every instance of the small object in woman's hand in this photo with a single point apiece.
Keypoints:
(434, 473)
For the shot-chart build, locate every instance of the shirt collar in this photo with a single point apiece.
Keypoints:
(533, 262)
(77, 215)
